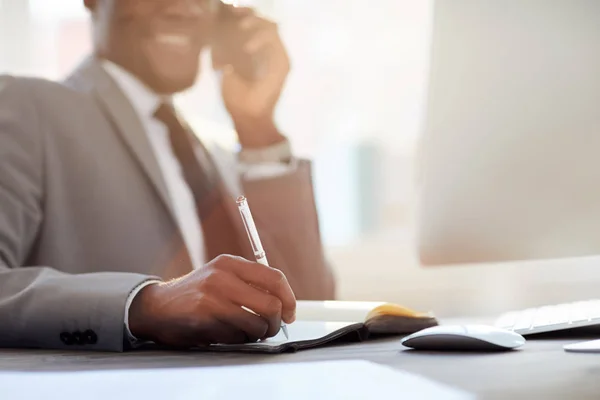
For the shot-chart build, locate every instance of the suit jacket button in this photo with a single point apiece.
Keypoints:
(67, 338)
(78, 338)
(90, 337)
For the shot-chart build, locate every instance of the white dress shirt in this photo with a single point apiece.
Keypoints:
(253, 164)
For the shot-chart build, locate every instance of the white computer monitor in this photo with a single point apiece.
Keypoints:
(509, 159)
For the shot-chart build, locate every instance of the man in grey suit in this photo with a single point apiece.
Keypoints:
(111, 210)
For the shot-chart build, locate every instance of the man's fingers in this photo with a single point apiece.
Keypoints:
(268, 49)
(275, 283)
(261, 40)
(231, 313)
(266, 278)
(223, 333)
(206, 323)
(250, 23)
(260, 33)
(264, 304)
(240, 11)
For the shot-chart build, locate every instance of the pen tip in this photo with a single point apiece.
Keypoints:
(285, 331)
(240, 199)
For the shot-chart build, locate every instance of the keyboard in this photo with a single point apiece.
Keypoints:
(551, 318)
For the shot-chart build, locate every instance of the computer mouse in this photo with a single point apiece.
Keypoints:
(464, 338)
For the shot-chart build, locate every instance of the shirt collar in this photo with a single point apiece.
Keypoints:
(143, 99)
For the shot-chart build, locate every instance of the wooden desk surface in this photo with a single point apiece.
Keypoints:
(540, 369)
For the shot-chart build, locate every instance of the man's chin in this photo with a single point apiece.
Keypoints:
(172, 78)
(169, 85)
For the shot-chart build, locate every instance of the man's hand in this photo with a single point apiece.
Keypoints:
(205, 306)
(252, 103)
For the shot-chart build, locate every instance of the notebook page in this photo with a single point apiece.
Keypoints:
(298, 331)
(335, 311)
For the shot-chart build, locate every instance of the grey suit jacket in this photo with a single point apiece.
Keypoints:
(85, 216)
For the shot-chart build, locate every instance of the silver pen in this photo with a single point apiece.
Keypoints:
(259, 252)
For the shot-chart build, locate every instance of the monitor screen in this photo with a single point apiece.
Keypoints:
(509, 154)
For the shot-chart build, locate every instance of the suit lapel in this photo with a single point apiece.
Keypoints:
(90, 76)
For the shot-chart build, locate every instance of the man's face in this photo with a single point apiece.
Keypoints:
(157, 40)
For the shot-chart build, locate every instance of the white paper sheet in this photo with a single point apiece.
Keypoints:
(321, 380)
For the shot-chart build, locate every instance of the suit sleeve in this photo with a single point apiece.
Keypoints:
(284, 210)
(40, 306)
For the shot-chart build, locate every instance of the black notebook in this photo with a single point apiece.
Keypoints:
(383, 320)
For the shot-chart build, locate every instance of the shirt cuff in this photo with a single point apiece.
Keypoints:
(266, 162)
(132, 340)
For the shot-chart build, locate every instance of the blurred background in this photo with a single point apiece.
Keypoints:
(354, 103)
